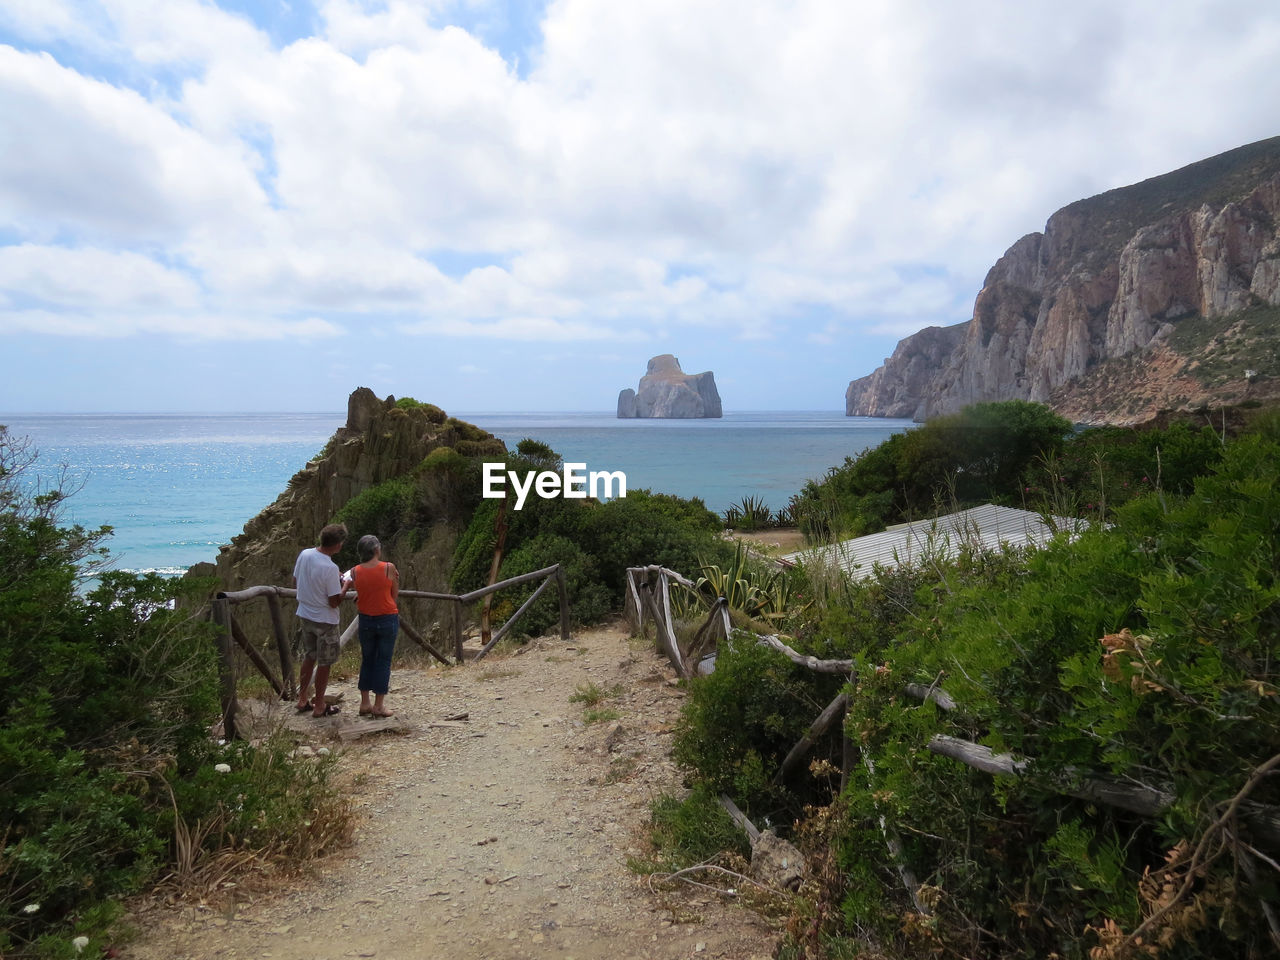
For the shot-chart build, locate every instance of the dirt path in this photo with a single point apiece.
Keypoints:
(504, 836)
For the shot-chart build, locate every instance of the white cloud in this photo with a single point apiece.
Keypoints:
(662, 165)
(183, 31)
(45, 20)
(79, 278)
(186, 326)
(81, 157)
(537, 329)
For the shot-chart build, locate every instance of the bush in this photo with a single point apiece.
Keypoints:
(739, 723)
(595, 541)
(691, 831)
(962, 459)
(433, 413)
(113, 688)
(589, 599)
(382, 510)
(1140, 651)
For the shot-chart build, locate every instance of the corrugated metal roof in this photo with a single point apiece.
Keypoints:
(986, 527)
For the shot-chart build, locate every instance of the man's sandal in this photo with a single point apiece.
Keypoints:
(329, 711)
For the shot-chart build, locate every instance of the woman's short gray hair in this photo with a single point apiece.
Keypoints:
(367, 546)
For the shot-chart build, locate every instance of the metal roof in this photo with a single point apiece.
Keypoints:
(983, 528)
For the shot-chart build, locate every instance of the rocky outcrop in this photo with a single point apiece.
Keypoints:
(895, 389)
(380, 441)
(1111, 277)
(666, 391)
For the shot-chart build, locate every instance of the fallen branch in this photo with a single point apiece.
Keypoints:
(708, 865)
(1135, 797)
(813, 663)
(828, 716)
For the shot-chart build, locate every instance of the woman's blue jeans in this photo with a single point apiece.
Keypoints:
(377, 643)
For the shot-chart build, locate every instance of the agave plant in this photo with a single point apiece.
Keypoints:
(753, 513)
(760, 595)
(786, 516)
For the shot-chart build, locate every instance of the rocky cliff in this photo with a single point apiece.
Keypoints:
(667, 391)
(381, 441)
(1101, 298)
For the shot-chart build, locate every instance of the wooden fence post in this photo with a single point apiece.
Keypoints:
(457, 630)
(238, 634)
(797, 753)
(282, 648)
(511, 621)
(562, 588)
(226, 668)
(417, 638)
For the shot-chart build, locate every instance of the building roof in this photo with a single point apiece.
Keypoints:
(983, 528)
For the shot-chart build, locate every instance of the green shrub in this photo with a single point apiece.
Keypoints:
(433, 413)
(467, 431)
(112, 690)
(691, 831)
(490, 448)
(1143, 652)
(750, 513)
(383, 510)
(739, 723)
(539, 453)
(595, 542)
(962, 459)
(589, 600)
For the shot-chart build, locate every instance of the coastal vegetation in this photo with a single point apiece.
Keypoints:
(111, 781)
(594, 542)
(1012, 453)
(1140, 653)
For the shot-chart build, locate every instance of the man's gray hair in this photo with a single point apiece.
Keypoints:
(367, 546)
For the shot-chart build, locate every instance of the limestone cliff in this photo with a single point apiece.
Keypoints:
(380, 441)
(895, 389)
(1112, 280)
(667, 391)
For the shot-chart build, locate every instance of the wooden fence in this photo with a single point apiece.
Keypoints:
(649, 598)
(232, 634)
(648, 595)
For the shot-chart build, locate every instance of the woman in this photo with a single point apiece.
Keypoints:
(377, 586)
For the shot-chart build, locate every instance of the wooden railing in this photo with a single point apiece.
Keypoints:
(232, 634)
(649, 596)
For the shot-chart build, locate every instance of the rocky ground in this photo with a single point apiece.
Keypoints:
(503, 835)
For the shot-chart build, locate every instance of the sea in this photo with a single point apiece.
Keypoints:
(174, 487)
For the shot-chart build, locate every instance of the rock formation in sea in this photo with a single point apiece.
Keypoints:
(667, 391)
(381, 441)
(1158, 295)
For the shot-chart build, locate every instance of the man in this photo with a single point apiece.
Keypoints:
(320, 591)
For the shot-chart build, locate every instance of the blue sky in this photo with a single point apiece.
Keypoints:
(512, 206)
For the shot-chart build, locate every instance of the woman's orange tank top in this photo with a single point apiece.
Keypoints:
(373, 589)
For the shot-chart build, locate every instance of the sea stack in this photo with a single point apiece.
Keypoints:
(668, 392)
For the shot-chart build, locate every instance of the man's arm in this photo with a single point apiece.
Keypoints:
(335, 599)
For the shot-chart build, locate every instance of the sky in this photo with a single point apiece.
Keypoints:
(506, 206)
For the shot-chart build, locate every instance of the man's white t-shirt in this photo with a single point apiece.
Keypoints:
(318, 579)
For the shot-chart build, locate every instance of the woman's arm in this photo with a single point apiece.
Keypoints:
(394, 576)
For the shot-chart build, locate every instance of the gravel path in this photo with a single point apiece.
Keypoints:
(504, 836)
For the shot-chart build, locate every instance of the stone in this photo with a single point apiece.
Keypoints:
(667, 392)
(776, 863)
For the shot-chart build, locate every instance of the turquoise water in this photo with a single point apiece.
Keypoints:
(176, 486)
